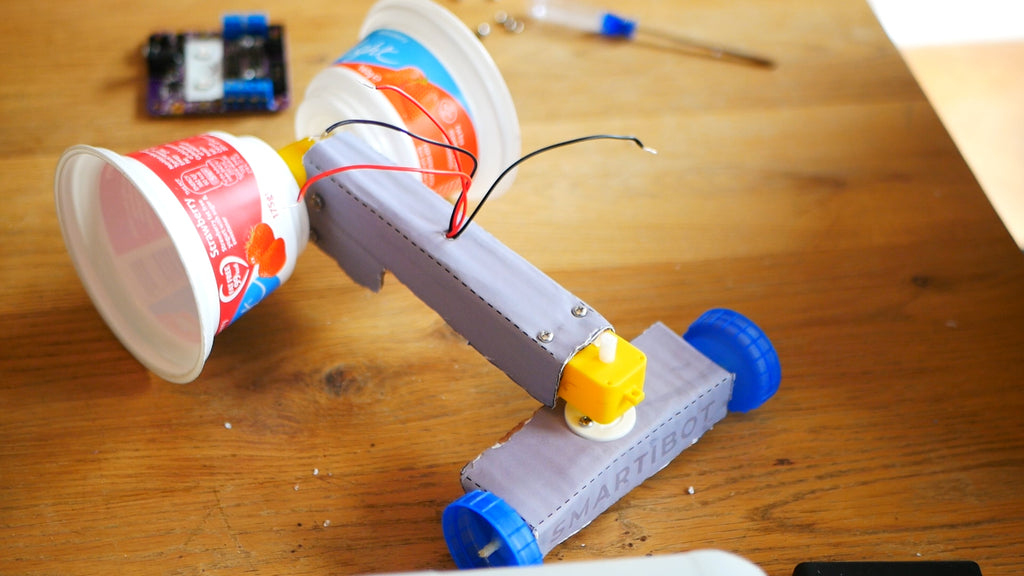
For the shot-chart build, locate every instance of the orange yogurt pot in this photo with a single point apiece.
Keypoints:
(417, 66)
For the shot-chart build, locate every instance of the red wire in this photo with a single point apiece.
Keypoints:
(426, 113)
(459, 213)
(327, 173)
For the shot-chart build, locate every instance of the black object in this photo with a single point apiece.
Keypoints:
(927, 568)
(241, 68)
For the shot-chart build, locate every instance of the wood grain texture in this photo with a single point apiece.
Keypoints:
(822, 198)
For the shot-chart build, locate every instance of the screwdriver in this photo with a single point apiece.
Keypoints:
(579, 16)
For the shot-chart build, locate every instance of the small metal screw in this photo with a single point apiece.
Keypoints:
(545, 336)
(579, 311)
(318, 202)
(586, 422)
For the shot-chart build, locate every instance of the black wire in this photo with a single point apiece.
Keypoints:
(369, 122)
(505, 172)
(513, 165)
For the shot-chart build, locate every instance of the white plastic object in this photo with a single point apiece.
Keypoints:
(204, 68)
(696, 563)
(340, 93)
(583, 426)
(570, 14)
(161, 239)
(607, 345)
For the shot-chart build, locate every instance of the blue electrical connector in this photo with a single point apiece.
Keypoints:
(238, 25)
(248, 94)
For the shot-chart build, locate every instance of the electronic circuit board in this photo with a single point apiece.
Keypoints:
(241, 68)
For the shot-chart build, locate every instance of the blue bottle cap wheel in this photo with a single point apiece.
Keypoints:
(735, 343)
(482, 530)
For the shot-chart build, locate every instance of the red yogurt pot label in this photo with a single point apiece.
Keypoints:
(216, 187)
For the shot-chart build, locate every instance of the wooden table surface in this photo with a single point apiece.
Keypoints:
(823, 199)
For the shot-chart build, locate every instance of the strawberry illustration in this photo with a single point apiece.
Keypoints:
(273, 259)
(260, 239)
(265, 251)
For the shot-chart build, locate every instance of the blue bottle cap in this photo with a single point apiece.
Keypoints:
(735, 343)
(482, 530)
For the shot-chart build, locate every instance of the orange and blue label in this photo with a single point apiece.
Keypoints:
(388, 58)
